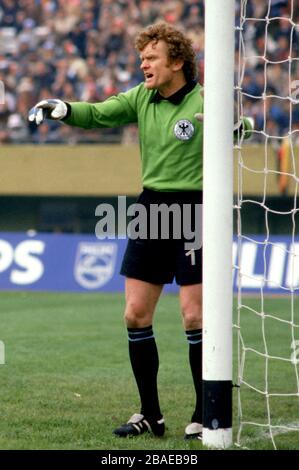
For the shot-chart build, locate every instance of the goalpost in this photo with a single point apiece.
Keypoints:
(267, 375)
(217, 223)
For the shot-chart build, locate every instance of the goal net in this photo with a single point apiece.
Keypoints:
(266, 209)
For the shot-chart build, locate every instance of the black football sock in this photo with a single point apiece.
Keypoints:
(194, 338)
(145, 364)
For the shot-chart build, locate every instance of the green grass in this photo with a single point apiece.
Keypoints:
(67, 381)
(271, 336)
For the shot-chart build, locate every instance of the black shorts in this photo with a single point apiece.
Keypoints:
(160, 261)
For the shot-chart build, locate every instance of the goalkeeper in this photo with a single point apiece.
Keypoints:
(168, 108)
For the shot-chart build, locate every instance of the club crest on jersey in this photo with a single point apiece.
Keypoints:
(183, 129)
(95, 264)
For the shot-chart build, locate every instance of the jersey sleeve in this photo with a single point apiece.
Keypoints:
(114, 112)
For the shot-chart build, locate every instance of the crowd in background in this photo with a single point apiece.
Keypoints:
(83, 50)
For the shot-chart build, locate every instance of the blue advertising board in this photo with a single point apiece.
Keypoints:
(61, 262)
(82, 263)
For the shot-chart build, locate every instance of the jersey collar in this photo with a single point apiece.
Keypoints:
(177, 97)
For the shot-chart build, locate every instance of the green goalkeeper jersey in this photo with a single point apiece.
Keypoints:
(171, 138)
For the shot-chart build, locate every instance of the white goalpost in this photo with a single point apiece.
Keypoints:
(264, 80)
(217, 223)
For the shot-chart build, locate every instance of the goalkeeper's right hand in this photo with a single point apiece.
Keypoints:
(47, 109)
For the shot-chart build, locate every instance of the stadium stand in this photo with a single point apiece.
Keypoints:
(83, 50)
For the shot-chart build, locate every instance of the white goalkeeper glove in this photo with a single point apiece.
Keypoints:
(47, 109)
(242, 124)
(246, 124)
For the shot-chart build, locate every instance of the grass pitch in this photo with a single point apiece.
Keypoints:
(67, 382)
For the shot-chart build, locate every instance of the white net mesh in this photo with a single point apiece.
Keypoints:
(267, 262)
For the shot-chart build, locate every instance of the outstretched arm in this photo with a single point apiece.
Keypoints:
(113, 112)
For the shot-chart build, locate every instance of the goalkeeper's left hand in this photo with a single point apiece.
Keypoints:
(47, 109)
(245, 124)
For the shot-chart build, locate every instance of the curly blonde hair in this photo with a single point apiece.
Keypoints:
(179, 46)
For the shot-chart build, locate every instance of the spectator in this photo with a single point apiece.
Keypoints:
(82, 49)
